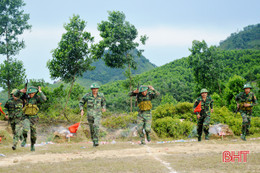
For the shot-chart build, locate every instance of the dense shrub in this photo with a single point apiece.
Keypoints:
(170, 127)
(180, 111)
(119, 121)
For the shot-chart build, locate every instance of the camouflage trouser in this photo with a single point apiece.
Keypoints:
(246, 116)
(144, 121)
(203, 124)
(94, 121)
(29, 123)
(12, 123)
(17, 128)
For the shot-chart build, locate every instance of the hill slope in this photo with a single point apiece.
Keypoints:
(175, 79)
(104, 74)
(248, 38)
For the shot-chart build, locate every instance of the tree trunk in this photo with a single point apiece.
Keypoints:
(130, 87)
(8, 72)
(71, 86)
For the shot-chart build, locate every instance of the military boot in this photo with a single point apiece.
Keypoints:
(148, 137)
(14, 147)
(32, 148)
(243, 137)
(23, 143)
(143, 141)
(207, 137)
(199, 138)
(95, 143)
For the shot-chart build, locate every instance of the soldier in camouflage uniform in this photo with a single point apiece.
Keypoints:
(30, 111)
(245, 102)
(203, 116)
(14, 107)
(96, 104)
(144, 118)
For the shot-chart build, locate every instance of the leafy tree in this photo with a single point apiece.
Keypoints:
(207, 67)
(72, 57)
(13, 22)
(233, 87)
(12, 74)
(118, 45)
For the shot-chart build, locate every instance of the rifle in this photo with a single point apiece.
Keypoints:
(136, 96)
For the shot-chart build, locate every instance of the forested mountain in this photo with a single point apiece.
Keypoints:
(248, 38)
(175, 79)
(104, 74)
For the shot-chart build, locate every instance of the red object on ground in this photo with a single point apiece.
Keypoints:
(198, 108)
(1, 110)
(0, 139)
(74, 128)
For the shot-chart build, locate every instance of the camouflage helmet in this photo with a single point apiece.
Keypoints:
(247, 86)
(32, 89)
(14, 92)
(94, 85)
(204, 90)
(143, 88)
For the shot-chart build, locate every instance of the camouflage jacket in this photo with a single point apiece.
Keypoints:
(14, 107)
(149, 96)
(250, 98)
(93, 103)
(205, 105)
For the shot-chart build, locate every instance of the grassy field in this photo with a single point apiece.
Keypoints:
(205, 156)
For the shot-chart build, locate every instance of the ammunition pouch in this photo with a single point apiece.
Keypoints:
(245, 108)
(30, 109)
(145, 105)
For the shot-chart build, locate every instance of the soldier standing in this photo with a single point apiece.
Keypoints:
(14, 107)
(144, 118)
(96, 104)
(30, 111)
(245, 102)
(203, 116)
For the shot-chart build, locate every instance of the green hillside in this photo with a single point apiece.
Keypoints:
(248, 38)
(175, 79)
(104, 74)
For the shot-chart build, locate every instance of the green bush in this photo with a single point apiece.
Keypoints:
(255, 125)
(120, 121)
(182, 110)
(170, 127)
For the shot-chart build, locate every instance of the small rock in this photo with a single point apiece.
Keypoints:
(15, 161)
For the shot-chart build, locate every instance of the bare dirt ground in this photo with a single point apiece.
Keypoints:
(205, 156)
(191, 156)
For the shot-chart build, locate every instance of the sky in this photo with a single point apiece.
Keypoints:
(171, 25)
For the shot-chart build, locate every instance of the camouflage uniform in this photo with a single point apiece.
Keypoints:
(30, 121)
(94, 112)
(204, 120)
(15, 117)
(246, 112)
(144, 118)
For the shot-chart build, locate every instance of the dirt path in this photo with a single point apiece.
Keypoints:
(151, 150)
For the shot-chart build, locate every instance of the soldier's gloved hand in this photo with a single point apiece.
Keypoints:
(103, 110)
(198, 116)
(82, 112)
